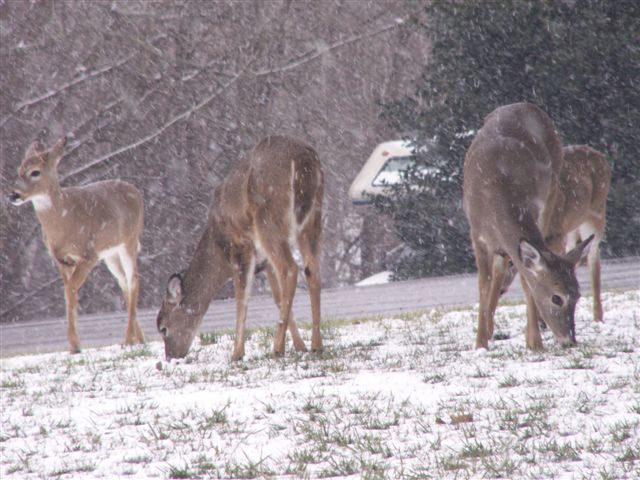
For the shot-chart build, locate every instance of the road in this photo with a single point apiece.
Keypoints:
(46, 335)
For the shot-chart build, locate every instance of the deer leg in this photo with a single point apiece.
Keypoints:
(298, 343)
(114, 265)
(309, 242)
(532, 333)
(243, 268)
(129, 265)
(73, 278)
(286, 272)
(273, 233)
(498, 274)
(484, 283)
(593, 260)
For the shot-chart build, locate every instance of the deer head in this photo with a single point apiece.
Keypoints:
(37, 174)
(177, 323)
(554, 286)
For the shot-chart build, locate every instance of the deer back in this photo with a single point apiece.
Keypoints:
(280, 182)
(511, 170)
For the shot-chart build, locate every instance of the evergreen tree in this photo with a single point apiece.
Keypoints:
(579, 61)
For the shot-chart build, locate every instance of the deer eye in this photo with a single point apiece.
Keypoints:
(556, 300)
(35, 174)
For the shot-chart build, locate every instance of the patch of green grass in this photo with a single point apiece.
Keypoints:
(215, 417)
(181, 472)
(248, 469)
(577, 363)
(209, 338)
(621, 431)
(340, 467)
(475, 449)
(630, 454)
(509, 381)
(450, 463)
(480, 373)
(300, 458)
(134, 352)
(434, 378)
(138, 459)
(505, 466)
(561, 451)
(13, 382)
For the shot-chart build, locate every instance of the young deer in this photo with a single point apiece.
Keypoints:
(511, 176)
(83, 225)
(580, 210)
(271, 200)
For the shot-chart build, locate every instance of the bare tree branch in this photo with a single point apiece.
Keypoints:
(159, 131)
(318, 52)
(34, 293)
(52, 93)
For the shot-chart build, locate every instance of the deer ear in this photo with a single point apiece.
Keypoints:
(55, 154)
(530, 257)
(35, 148)
(580, 251)
(174, 289)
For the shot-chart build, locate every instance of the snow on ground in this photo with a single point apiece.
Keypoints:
(376, 279)
(394, 398)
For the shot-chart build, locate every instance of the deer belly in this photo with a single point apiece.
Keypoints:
(109, 252)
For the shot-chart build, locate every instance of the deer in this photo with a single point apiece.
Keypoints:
(511, 176)
(580, 211)
(268, 204)
(82, 226)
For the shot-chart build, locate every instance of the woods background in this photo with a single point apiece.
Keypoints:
(167, 95)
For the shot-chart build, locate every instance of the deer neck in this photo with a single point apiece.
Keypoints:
(208, 271)
(49, 206)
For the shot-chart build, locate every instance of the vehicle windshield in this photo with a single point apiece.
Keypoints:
(390, 173)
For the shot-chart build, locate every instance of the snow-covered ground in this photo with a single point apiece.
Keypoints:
(390, 398)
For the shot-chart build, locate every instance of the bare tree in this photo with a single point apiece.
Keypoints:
(167, 95)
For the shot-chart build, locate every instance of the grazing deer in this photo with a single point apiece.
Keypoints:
(81, 226)
(580, 210)
(511, 177)
(270, 201)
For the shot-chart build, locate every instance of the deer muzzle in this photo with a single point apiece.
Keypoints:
(569, 340)
(15, 198)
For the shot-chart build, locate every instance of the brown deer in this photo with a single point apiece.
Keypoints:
(511, 178)
(83, 225)
(580, 210)
(269, 202)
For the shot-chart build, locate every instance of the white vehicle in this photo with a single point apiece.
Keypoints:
(382, 169)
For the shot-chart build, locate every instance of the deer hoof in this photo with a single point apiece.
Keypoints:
(301, 347)
(535, 346)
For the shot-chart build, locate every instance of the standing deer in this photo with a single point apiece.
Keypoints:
(580, 210)
(269, 202)
(81, 226)
(511, 178)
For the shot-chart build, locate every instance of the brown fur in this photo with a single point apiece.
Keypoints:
(272, 195)
(81, 224)
(511, 178)
(580, 211)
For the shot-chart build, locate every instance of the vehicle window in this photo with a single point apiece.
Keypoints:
(389, 174)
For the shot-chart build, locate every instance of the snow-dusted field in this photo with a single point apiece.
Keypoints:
(389, 398)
